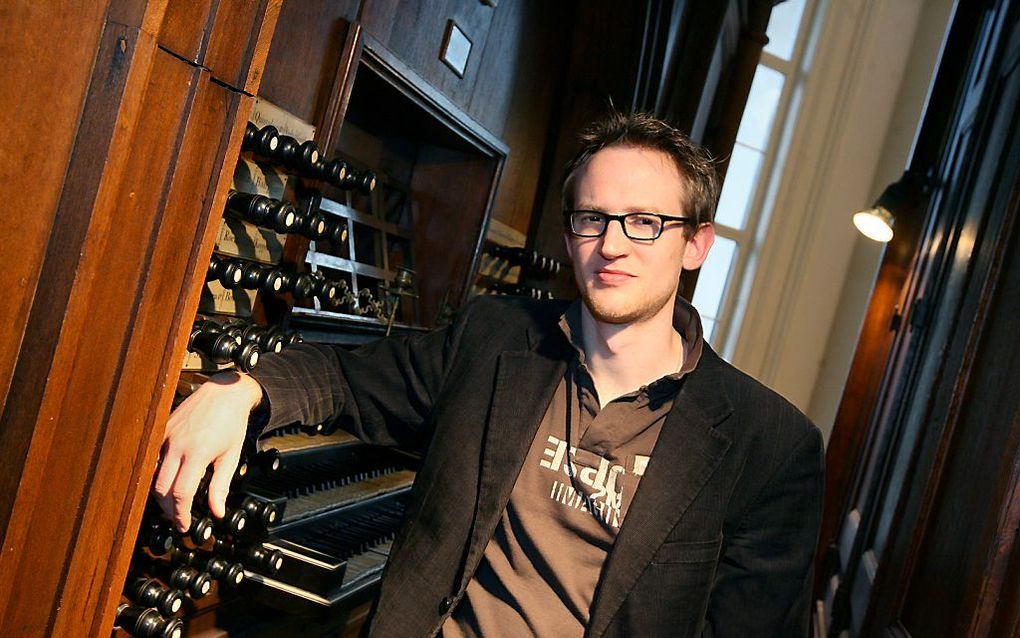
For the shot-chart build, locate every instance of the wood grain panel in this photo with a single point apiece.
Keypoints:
(184, 27)
(413, 32)
(239, 41)
(39, 143)
(168, 302)
(302, 62)
(521, 72)
(444, 245)
(93, 177)
(77, 394)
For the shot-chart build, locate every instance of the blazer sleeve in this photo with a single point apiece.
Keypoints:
(382, 392)
(764, 578)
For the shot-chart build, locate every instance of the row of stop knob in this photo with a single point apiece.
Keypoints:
(237, 343)
(532, 260)
(518, 290)
(283, 217)
(304, 158)
(240, 273)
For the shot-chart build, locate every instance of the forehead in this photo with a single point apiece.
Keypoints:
(625, 178)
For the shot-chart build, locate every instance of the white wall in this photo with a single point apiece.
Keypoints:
(861, 103)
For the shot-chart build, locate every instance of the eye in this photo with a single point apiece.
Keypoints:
(642, 220)
(591, 218)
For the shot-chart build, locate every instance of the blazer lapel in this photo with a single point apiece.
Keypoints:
(525, 382)
(685, 456)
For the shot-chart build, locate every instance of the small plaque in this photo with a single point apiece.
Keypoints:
(216, 299)
(238, 238)
(194, 362)
(265, 113)
(456, 48)
(252, 177)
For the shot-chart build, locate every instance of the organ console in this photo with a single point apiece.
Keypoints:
(311, 512)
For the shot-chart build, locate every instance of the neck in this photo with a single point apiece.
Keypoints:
(624, 357)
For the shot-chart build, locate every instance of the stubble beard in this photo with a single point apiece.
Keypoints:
(617, 313)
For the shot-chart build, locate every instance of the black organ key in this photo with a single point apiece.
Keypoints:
(326, 290)
(362, 181)
(263, 141)
(149, 592)
(272, 341)
(282, 216)
(157, 537)
(266, 460)
(265, 512)
(302, 157)
(366, 182)
(201, 529)
(233, 523)
(146, 622)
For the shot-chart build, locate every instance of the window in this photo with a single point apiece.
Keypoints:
(771, 105)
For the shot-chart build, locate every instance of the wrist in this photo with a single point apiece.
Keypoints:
(247, 389)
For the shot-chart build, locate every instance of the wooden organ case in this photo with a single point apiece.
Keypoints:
(267, 173)
(340, 224)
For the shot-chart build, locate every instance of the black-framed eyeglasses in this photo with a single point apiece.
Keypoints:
(642, 226)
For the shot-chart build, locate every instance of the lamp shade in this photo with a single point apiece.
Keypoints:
(877, 222)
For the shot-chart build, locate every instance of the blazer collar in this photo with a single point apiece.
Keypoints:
(525, 383)
(687, 453)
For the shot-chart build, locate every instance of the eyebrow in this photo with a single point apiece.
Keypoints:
(628, 209)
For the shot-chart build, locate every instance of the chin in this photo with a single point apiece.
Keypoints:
(612, 305)
(606, 307)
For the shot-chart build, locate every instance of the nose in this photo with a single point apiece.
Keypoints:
(614, 242)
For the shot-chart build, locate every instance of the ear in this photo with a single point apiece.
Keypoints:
(696, 250)
(570, 244)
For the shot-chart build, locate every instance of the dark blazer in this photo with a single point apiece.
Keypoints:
(718, 540)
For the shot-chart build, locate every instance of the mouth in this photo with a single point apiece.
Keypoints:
(612, 276)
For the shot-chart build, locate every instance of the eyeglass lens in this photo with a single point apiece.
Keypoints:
(635, 225)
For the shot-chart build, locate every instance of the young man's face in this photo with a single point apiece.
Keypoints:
(624, 280)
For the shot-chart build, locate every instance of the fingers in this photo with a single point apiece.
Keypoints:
(165, 481)
(183, 491)
(219, 485)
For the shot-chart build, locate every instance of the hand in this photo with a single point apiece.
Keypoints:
(207, 428)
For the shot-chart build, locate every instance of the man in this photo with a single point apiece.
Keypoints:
(592, 468)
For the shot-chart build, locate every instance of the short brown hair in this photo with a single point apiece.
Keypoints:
(641, 130)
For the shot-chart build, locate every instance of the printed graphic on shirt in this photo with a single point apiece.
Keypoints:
(602, 492)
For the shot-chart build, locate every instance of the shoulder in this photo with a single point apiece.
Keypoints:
(762, 418)
(492, 313)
